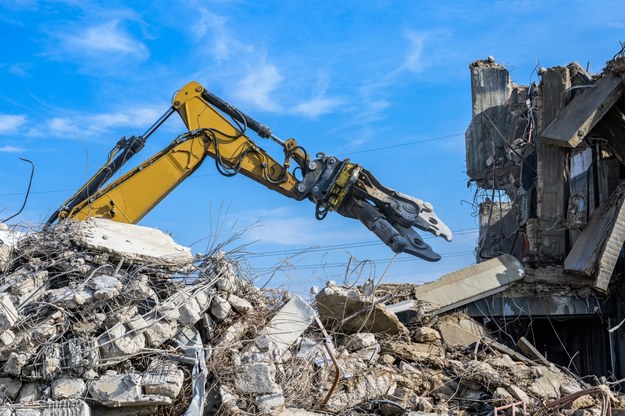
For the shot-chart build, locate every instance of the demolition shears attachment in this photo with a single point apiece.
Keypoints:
(352, 191)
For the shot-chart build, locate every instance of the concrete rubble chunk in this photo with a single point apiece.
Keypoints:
(461, 330)
(256, 378)
(121, 390)
(426, 334)
(220, 308)
(359, 341)
(163, 378)
(68, 388)
(9, 388)
(8, 313)
(240, 305)
(348, 313)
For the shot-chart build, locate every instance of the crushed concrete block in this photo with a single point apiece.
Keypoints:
(13, 366)
(502, 397)
(105, 287)
(9, 388)
(348, 313)
(426, 334)
(518, 393)
(371, 384)
(5, 256)
(158, 331)
(470, 284)
(30, 392)
(289, 323)
(7, 338)
(240, 305)
(359, 341)
(119, 390)
(117, 342)
(8, 313)
(69, 298)
(547, 386)
(68, 388)
(163, 378)
(367, 354)
(270, 403)
(413, 351)
(189, 313)
(132, 243)
(220, 308)
(257, 378)
(583, 402)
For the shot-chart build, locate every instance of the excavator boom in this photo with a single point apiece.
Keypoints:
(332, 184)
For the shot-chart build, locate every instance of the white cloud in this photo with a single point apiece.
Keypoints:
(10, 149)
(256, 88)
(10, 123)
(318, 106)
(104, 39)
(90, 125)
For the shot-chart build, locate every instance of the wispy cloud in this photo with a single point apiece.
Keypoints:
(320, 104)
(10, 123)
(257, 87)
(215, 27)
(10, 149)
(414, 57)
(91, 125)
(107, 38)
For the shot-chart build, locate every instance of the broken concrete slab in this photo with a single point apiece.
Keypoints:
(256, 378)
(598, 248)
(584, 112)
(289, 323)
(470, 284)
(132, 243)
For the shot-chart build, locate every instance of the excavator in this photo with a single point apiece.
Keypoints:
(219, 130)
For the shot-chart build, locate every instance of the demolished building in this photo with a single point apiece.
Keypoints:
(548, 162)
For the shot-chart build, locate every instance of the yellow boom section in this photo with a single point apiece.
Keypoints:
(131, 197)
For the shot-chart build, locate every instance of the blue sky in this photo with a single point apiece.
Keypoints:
(385, 83)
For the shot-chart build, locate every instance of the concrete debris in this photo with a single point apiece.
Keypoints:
(100, 334)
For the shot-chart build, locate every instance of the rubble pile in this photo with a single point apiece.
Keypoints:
(102, 318)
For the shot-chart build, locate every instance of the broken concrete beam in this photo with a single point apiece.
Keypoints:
(132, 243)
(289, 323)
(598, 247)
(584, 112)
(530, 351)
(469, 284)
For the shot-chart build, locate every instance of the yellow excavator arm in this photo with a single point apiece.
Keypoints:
(332, 184)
